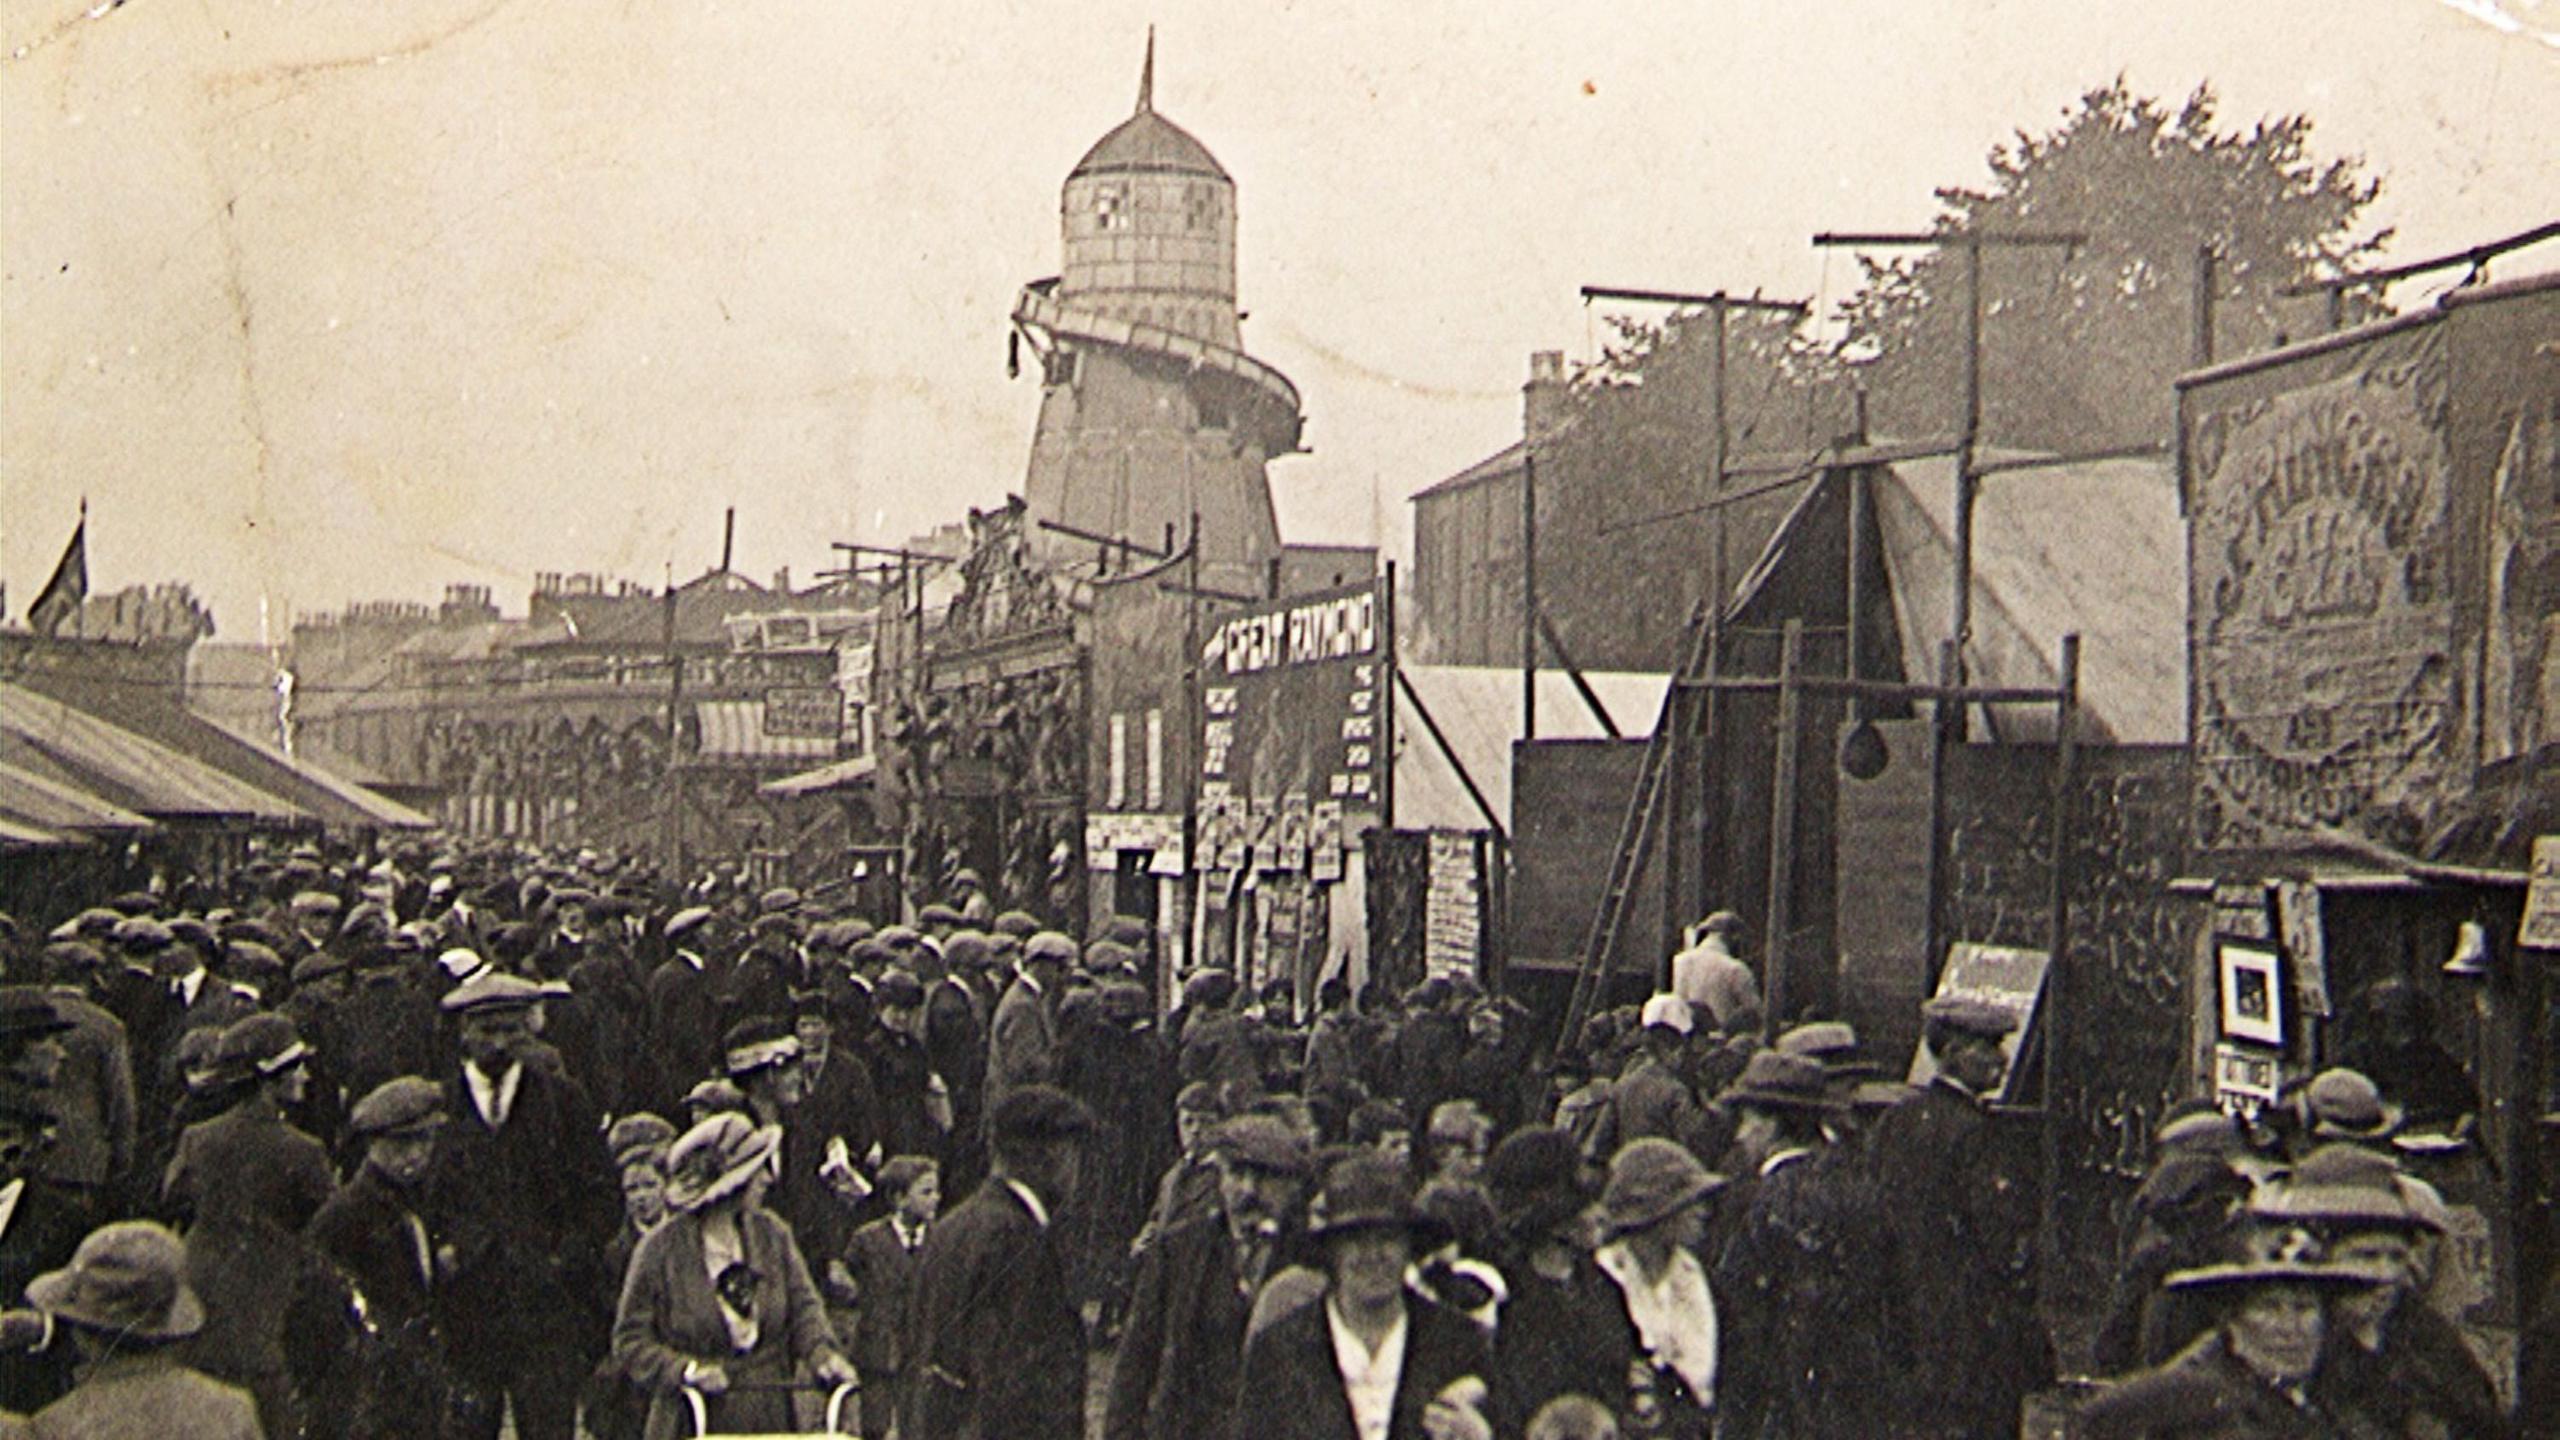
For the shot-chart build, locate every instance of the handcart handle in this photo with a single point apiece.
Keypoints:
(836, 1399)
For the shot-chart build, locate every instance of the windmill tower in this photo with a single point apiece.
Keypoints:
(1150, 408)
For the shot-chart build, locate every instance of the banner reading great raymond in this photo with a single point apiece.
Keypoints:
(1292, 704)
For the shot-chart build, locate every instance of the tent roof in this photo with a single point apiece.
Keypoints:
(2095, 548)
(1478, 709)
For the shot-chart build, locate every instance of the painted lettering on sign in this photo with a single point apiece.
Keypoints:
(2323, 623)
(1320, 630)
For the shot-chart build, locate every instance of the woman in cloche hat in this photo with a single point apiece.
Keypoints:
(124, 1302)
(1655, 1203)
(718, 1296)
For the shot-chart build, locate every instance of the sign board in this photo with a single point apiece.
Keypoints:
(2541, 929)
(1293, 709)
(2245, 1080)
(1998, 975)
(2252, 995)
(804, 712)
(2321, 605)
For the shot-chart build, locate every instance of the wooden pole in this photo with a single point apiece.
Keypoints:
(1857, 597)
(2208, 260)
(1933, 942)
(1782, 831)
(2058, 988)
(1528, 593)
(1968, 433)
(671, 819)
(1384, 758)
(1192, 678)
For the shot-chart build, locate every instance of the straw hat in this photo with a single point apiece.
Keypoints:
(2286, 1255)
(716, 1158)
(2343, 1186)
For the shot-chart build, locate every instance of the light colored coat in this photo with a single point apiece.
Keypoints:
(147, 1396)
(670, 1316)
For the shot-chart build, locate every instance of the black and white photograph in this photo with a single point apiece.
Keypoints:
(1170, 720)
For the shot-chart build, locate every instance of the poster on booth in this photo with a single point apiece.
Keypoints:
(1293, 706)
(2001, 975)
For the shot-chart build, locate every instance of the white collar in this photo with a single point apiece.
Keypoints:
(190, 984)
(909, 1236)
(10, 1195)
(1369, 1378)
(690, 958)
(1787, 1156)
(1675, 1317)
(1030, 1201)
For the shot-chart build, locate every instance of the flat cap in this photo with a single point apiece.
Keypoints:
(937, 914)
(684, 922)
(1020, 924)
(409, 1105)
(778, 899)
(1049, 945)
(492, 990)
(1970, 1016)
(318, 965)
(899, 990)
(142, 934)
(1265, 1143)
(1669, 1012)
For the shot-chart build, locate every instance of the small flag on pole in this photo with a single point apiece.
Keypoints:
(60, 599)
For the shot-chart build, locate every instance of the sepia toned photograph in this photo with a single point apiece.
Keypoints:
(1159, 720)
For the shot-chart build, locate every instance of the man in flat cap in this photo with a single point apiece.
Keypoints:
(684, 1006)
(522, 1188)
(1177, 1368)
(999, 1346)
(1962, 1220)
(375, 1231)
(248, 1182)
(1022, 1039)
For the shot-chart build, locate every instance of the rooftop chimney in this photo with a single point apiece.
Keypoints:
(1542, 399)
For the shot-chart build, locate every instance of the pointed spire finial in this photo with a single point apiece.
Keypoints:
(1147, 76)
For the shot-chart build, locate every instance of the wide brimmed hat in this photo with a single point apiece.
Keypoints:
(2344, 1186)
(1832, 1044)
(1774, 1080)
(2281, 1255)
(716, 1158)
(128, 1279)
(1652, 1179)
(1535, 1176)
(1368, 1192)
(2344, 1104)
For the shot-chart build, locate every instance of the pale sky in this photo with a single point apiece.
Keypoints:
(321, 300)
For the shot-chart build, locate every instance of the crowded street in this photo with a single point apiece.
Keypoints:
(1173, 721)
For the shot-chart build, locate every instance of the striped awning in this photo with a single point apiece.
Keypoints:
(733, 734)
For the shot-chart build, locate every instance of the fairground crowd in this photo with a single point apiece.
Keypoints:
(423, 1140)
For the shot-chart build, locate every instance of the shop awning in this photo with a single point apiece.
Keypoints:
(842, 775)
(14, 836)
(733, 734)
(73, 746)
(44, 803)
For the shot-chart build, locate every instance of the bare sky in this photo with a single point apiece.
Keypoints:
(320, 300)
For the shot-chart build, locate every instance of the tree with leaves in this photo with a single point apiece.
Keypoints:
(2079, 348)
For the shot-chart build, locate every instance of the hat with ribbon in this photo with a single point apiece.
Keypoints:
(716, 1158)
(1651, 1180)
(128, 1279)
(2276, 1255)
(260, 1045)
(2342, 1187)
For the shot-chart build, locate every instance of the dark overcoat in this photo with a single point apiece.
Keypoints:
(1292, 1390)
(999, 1346)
